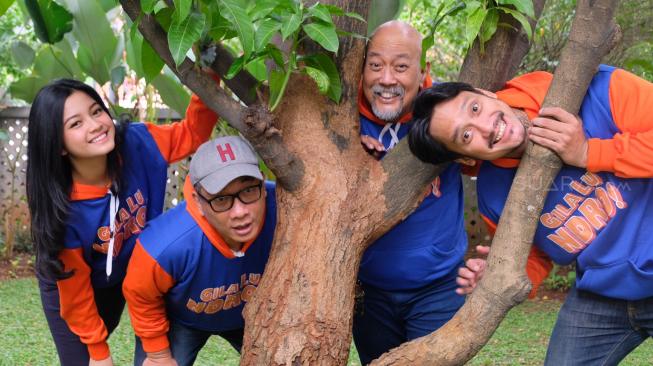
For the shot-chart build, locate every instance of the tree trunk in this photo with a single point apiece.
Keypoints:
(505, 283)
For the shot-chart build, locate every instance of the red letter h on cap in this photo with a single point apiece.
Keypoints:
(225, 152)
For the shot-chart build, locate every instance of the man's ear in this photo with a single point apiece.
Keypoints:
(466, 161)
(487, 93)
(197, 199)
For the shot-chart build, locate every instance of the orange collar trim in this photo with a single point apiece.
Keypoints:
(80, 192)
(365, 108)
(214, 237)
(506, 162)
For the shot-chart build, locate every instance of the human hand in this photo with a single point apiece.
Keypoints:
(373, 146)
(471, 274)
(106, 362)
(160, 358)
(562, 132)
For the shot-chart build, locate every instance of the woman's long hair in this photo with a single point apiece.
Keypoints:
(49, 173)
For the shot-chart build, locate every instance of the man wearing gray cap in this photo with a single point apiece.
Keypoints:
(195, 266)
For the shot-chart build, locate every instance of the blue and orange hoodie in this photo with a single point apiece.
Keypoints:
(431, 242)
(599, 216)
(182, 270)
(146, 153)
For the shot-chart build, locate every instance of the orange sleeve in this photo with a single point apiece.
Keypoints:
(538, 264)
(629, 154)
(78, 307)
(180, 139)
(144, 287)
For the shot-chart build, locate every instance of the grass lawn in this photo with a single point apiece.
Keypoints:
(24, 338)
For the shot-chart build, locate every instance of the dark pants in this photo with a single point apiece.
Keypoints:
(186, 343)
(386, 319)
(595, 330)
(72, 352)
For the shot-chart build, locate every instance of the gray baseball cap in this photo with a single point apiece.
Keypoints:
(219, 161)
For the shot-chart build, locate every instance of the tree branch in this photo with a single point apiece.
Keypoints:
(255, 123)
(243, 84)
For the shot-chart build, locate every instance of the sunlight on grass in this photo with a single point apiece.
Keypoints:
(520, 340)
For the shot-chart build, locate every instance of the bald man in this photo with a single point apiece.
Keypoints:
(408, 275)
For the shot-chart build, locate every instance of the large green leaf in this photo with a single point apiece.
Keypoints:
(323, 34)
(523, 6)
(521, 19)
(98, 44)
(151, 61)
(52, 63)
(108, 4)
(181, 36)
(320, 78)
(489, 26)
(147, 6)
(275, 83)
(290, 24)
(4, 5)
(325, 64)
(263, 8)
(182, 8)
(65, 56)
(22, 54)
(381, 11)
(98, 70)
(321, 12)
(26, 88)
(474, 22)
(51, 21)
(234, 12)
(133, 48)
(257, 68)
(171, 92)
(235, 67)
(265, 31)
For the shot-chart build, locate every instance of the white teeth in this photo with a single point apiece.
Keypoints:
(388, 95)
(99, 138)
(502, 129)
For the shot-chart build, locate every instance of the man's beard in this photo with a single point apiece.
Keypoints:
(385, 115)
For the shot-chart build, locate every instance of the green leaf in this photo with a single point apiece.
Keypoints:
(118, 74)
(108, 4)
(99, 71)
(265, 31)
(321, 12)
(320, 78)
(235, 67)
(489, 26)
(65, 57)
(427, 43)
(323, 34)
(263, 8)
(147, 6)
(334, 10)
(52, 63)
(474, 23)
(275, 82)
(276, 55)
(96, 38)
(381, 11)
(51, 21)
(355, 16)
(172, 93)
(151, 61)
(235, 13)
(290, 25)
(523, 6)
(324, 63)
(257, 68)
(164, 17)
(4, 5)
(181, 36)
(182, 9)
(27, 87)
(22, 54)
(133, 48)
(521, 19)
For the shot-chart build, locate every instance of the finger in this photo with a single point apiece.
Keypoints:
(548, 134)
(483, 249)
(550, 144)
(558, 114)
(474, 264)
(550, 124)
(461, 282)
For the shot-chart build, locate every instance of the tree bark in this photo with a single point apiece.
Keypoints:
(505, 283)
(490, 70)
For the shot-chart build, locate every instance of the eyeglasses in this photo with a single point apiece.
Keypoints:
(225, 202)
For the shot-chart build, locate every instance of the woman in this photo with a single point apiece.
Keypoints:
(91, 187)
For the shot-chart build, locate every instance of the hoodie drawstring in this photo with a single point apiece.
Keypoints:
(113, 210)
